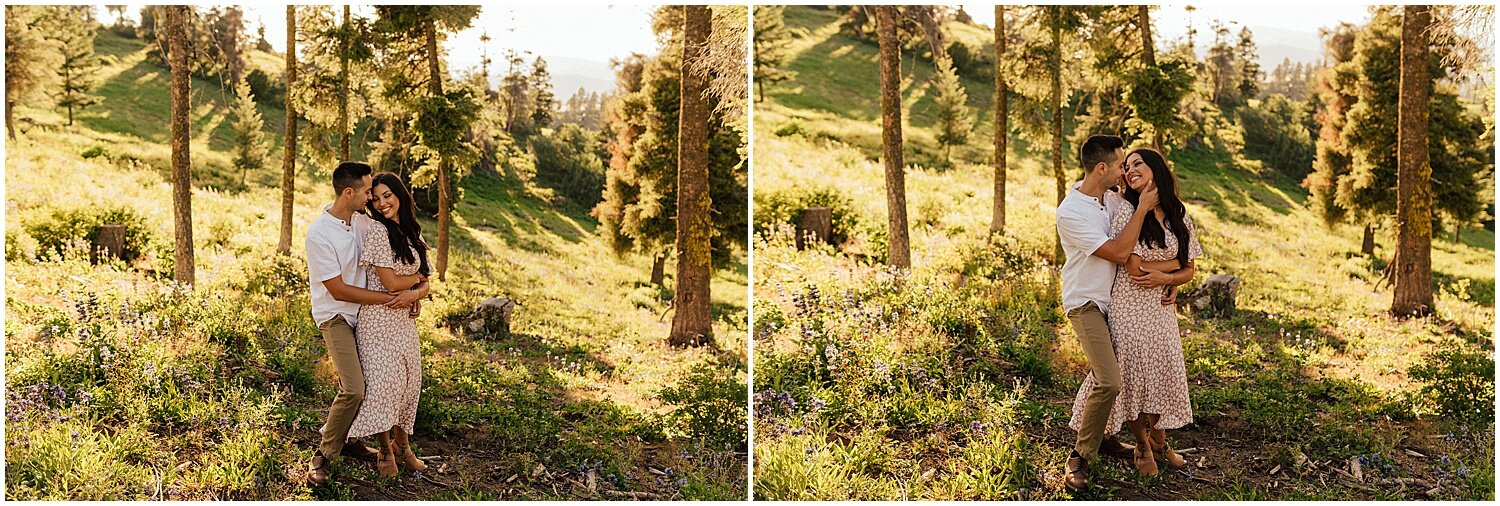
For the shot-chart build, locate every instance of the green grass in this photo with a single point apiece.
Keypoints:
(1311, 365)
(120, 386)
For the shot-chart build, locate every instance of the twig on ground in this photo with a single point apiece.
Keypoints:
(636, 496)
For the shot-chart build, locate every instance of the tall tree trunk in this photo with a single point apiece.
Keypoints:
(1367, 243)
(1055, 99)
(899, 250)
(1413, 274)
(1002, 124)
(10, 124)
(344, 89)
(445, 202)
(1148, 58)
(182, 184)
(692, 323)
(289, 145)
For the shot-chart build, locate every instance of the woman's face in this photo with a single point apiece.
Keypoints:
(386, 202)
(1137, 174)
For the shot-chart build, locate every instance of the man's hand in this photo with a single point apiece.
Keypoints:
(1151, 279)
(1169, 298)
(404, 299)
(1147, 200)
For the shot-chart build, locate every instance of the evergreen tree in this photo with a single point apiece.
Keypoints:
(30, 58)
(1250, 74)
(77, 75)
(175, 25)
(955, 121)
(543, 102)
(250, 149)
(441, 119)
(898, 252)
(771, 42)
(692, 321)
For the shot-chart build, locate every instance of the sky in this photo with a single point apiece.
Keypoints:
(589, 32)
(1280, 29)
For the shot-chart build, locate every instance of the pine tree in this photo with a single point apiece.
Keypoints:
(1002, 123)
(289, 144)
(543, 102)
(1250, 74)
(250, 149)
(692, 322)
(29, 59)
(1412, 267)
(955, 121)
(898, 249)
(175, 25)
(441, 118)
(771, 44)
(78, 73)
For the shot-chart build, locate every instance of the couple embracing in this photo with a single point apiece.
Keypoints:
(1129, 245)
(367, 267)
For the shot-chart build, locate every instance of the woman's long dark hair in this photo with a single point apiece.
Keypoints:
(1166, 191)
(406, 235)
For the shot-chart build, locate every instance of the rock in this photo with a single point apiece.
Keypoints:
(491, 317)
(1216, 295)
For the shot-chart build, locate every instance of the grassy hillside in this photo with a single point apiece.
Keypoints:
(121, 385)
(957, 381)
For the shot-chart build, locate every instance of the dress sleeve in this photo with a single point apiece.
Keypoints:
(376, 251)
(1194, 249)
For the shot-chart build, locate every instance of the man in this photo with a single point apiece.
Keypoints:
(1087, 278)
(337, 286)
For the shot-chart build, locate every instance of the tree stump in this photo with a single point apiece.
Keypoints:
(491, 318)
(110, 243)
(817, 222)
(1216, 295)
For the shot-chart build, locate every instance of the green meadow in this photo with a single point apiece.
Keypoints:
(956, 380)
(122, 385)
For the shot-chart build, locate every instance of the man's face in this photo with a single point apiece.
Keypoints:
(360, 194)
(1114, 169)
(363, 192)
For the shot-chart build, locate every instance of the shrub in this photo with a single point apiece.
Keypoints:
(266, 90)
(711, 402)
(1457, 382)
(774, 209)
(66, 228)
(790, 128)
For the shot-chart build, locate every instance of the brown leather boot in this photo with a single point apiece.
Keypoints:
(1145, 462)
(410, 459)
(1164, 451)
(387, 463)
(357, 450)
(1113, 447)
(1077, 477)
(317, 470)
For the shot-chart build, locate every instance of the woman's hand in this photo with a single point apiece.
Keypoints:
(1152, 279)
(1169, 296)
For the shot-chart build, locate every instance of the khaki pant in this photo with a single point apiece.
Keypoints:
(338, 336)
(1093, 336)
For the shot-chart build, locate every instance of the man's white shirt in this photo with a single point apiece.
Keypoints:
(1083, 226)
(333, 250)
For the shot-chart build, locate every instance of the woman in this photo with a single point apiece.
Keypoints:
(395, 258)
(1148, 345)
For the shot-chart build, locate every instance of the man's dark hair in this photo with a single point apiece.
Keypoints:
(1098, 149)
(348, 175)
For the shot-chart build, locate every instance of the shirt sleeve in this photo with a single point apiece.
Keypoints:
(1194, 249)
(376, 251)
(1078, 234)
(322, 261)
